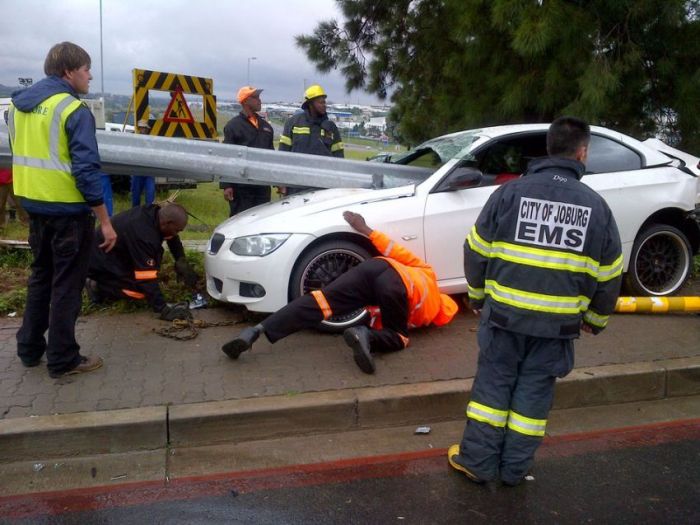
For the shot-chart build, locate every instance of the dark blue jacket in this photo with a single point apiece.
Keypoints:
(82, 144)
(322, 137)
(545, 254)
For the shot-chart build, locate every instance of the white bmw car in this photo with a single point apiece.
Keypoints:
(268, 255)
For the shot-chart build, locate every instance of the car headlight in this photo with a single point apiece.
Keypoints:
(258, 245)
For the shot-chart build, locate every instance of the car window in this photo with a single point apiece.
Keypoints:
(605, 155)
(426, 159)
(436, 152)
(507, 158)
(500, 160)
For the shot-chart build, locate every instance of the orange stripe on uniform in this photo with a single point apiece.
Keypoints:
(133, 295)
(141, 275)
(322, 303)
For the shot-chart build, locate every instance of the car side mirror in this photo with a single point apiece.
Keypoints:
(464, 177)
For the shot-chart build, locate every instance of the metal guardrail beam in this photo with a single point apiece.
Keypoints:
(204, 161)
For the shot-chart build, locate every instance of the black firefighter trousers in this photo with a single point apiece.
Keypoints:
(371, 283)
(511, 398)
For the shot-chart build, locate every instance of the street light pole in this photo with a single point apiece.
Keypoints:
(102, 60)
(249, 59)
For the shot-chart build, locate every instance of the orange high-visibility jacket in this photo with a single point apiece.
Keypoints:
(426, 304)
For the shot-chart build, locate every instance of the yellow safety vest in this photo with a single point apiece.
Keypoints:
(41, 163)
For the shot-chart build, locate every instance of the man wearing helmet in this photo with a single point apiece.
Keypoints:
(311, 131)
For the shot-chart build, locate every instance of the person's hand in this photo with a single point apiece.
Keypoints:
(476, 312)
(175, 311)
(282, 190)
(228, 194)
(357, 221)
(110, 237)
(587, 328)
(185, 272)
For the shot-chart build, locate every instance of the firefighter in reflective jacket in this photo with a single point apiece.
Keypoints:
(543, 261)
(311, 131)
(402, 286)
(130, 270)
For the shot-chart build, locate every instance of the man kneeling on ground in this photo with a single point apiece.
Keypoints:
(130, 270)
(402, 286)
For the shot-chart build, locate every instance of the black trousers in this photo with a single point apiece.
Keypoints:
(247, 196)
(112, 287)
(371, 283)
(61, 248)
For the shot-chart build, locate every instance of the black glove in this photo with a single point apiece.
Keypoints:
(185, 272)
(175, 311)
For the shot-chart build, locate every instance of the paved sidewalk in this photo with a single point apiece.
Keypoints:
(143, 369)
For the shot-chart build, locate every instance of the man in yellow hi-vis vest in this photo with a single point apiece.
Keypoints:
(56, 169)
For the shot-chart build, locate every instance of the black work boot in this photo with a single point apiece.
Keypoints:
(244, 341)
(93, 292)
(357, 338)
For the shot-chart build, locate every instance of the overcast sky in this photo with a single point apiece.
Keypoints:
(208, 38)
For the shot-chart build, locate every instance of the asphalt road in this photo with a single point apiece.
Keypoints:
(644, 474)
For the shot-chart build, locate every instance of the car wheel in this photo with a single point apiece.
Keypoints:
(321, 265)
(660, 263)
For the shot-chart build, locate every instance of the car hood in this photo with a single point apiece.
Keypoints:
(301, 213)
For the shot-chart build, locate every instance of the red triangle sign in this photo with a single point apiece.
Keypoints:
(178, 110)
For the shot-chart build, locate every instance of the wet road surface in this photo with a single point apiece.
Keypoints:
(635, 475)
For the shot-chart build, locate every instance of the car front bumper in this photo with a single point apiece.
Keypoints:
(261, 284)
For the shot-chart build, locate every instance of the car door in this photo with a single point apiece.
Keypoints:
(450, 214)
(614, 170)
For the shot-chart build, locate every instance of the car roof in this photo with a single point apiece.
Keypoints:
(652, 155)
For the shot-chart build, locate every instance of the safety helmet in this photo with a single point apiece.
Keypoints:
(313, 92)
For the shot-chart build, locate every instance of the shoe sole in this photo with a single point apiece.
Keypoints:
(79, 370)
(361, 360)
(454, 451)
(234, 348)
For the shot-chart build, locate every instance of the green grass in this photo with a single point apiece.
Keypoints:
(15, 267)
(353, 154)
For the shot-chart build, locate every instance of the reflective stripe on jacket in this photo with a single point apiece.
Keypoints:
(304, 134)
(426, 304)
(41, 161)
(545, 253)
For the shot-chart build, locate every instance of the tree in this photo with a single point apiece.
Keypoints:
(632, 65)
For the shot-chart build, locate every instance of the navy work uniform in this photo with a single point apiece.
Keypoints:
(130, 270)
(253, 132)
(313, 135)
(543, 257)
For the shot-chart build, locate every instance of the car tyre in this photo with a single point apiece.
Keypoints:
(321, 265)
(660, 263)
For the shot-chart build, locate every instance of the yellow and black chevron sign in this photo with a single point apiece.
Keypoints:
(177, 120)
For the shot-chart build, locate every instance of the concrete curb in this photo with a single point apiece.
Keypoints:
(234, 421)
(82, 434)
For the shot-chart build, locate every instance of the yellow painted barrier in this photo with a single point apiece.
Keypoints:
(657, 305)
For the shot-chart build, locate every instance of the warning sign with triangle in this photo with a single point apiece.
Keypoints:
(178, 111)
(179, 120)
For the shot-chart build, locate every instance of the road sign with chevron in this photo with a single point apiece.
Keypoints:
(178, 120)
